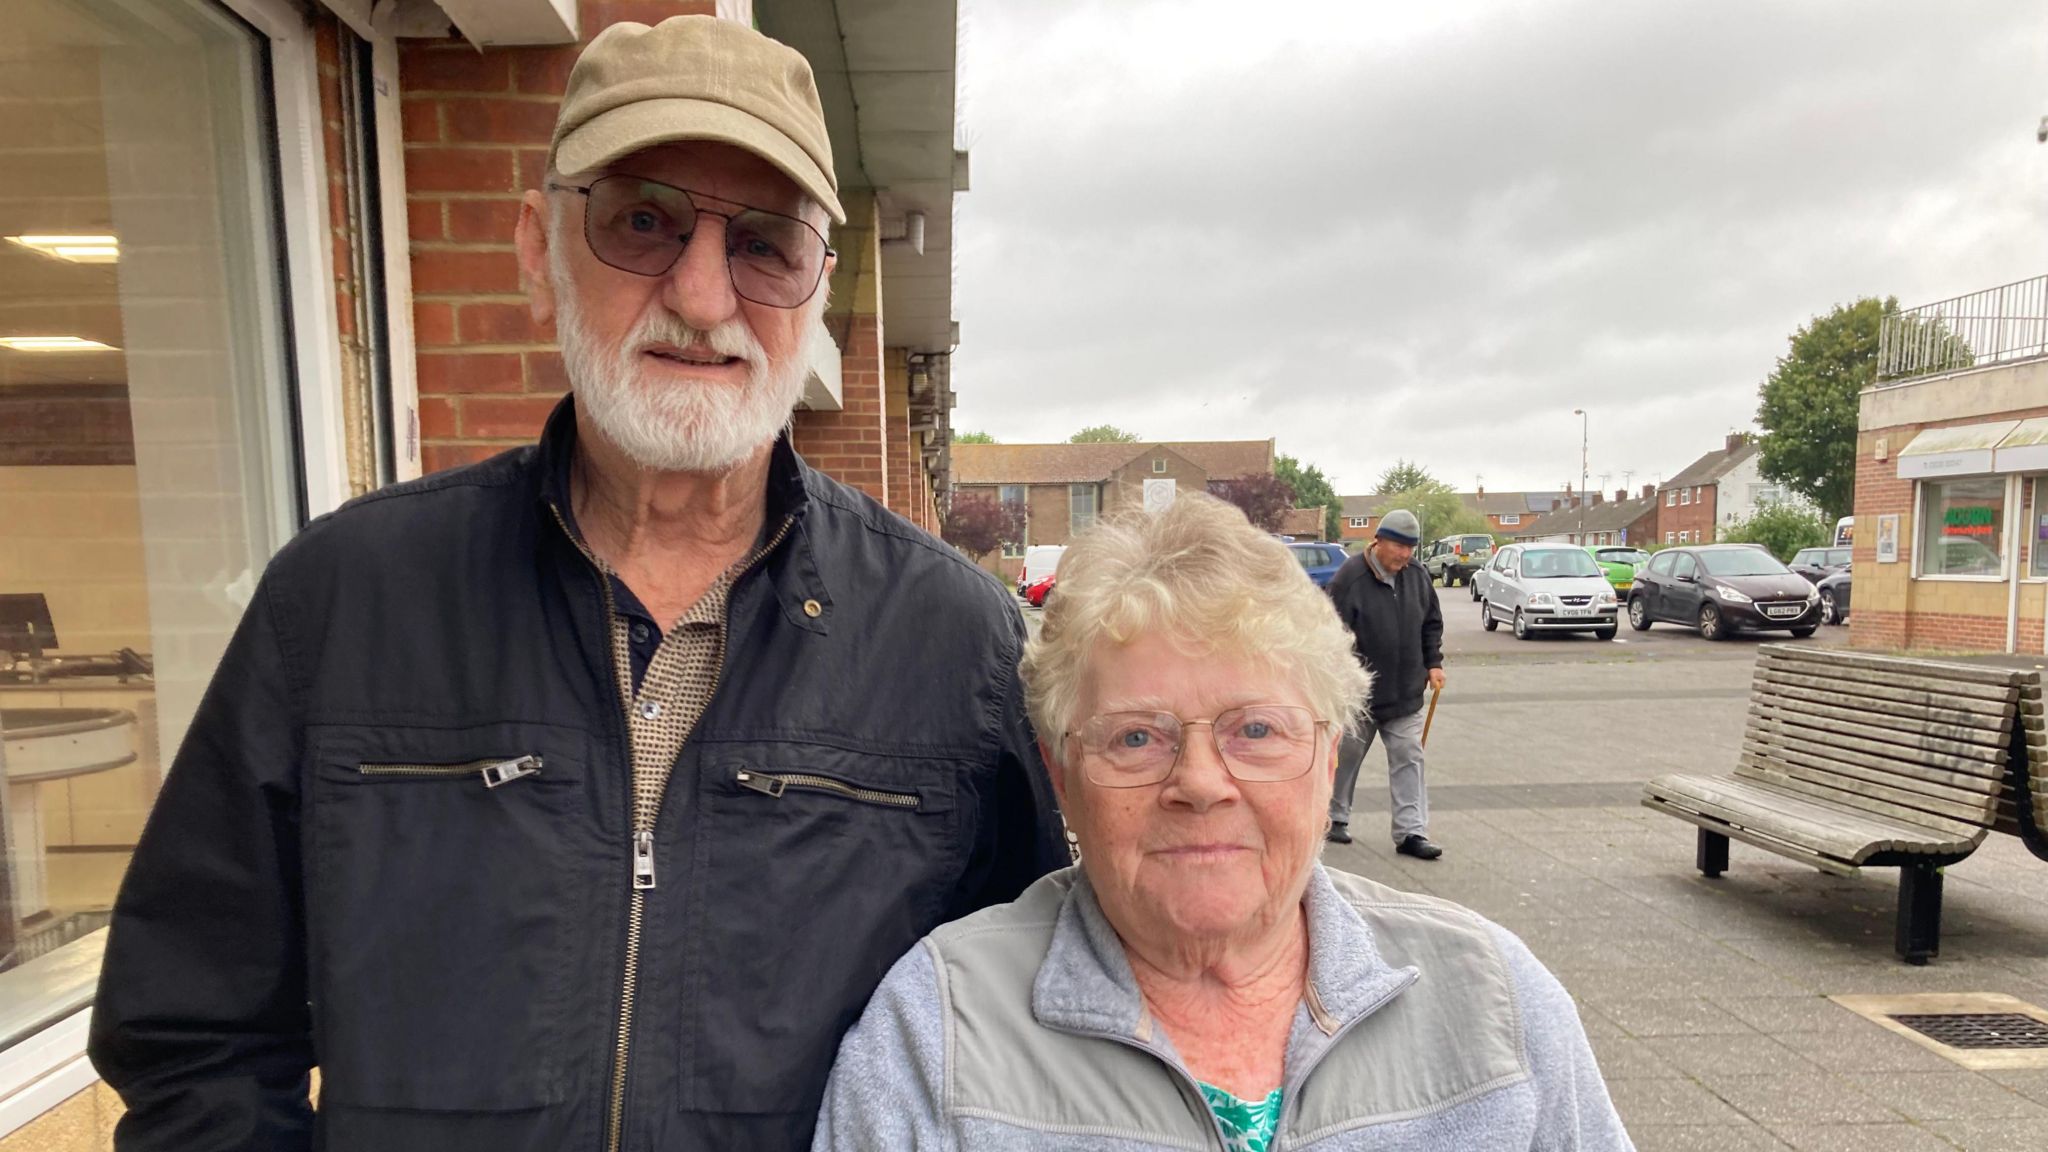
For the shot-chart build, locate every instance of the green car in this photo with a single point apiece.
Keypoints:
(1620, 563)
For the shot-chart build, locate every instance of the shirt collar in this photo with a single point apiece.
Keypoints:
(1372, 561)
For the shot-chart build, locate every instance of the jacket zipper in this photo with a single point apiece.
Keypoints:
(494, 772)
(776, 783)
(642, 840)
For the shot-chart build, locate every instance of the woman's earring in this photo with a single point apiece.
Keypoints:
(1073, 841)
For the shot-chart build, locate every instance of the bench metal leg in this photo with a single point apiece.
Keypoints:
(1712, 854)
(1918, 937)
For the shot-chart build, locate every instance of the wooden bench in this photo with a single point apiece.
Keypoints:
(1852, 760)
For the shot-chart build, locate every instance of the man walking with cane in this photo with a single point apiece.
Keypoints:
(1397, 629)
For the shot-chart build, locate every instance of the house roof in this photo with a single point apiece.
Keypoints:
(1711, 467)
(1083, 463)
(1303, 521)
(1607, 516)
(1488, 504)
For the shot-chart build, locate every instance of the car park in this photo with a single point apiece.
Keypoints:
(1320, 561)
(1548, 588)
(1814, 563)
(1834, 597)
(1620, 563)
(1722, 589)
(1454, 560)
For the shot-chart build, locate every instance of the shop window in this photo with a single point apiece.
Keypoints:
(1962, 527)
(1082, 500)
(146, 463)
(2037, 540)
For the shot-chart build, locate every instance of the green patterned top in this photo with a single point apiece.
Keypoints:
(1247, 1126)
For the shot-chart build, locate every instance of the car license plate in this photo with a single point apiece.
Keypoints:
(1783, 611)
(1578, 612)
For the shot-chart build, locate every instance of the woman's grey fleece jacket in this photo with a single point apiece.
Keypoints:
(1425, 1028)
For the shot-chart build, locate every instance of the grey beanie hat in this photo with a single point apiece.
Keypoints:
(1401, 525)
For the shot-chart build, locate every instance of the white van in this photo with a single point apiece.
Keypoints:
(1845, 532)
(1039, 562)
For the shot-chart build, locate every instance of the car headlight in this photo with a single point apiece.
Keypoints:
(1542, 600)
(1812, 594)
(1607, 597)
(1731, 595)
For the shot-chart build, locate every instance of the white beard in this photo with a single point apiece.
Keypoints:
(677, 425)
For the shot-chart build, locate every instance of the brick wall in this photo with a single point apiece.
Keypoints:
(1696, 518)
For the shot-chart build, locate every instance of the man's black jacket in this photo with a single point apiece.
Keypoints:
(449, 954)
(1397, 630)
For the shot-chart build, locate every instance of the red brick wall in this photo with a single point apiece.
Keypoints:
(1697, 518)
(476, 127)
(848, 444)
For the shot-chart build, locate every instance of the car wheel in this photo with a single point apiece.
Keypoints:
(1521, 626)
(1474, 586)
(1802, 633)
(1828, 615)
(1712, 627)
(1638, 614)
(1486, 619)
(1606, 633)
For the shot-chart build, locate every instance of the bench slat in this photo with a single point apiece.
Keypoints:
(1959, 803)
(1876, 798)
(1767, 843)
(1946, 670)
(1968, 775)
(1819, 823)
(1881, 741)
(1991, 737)
(1961, 689)
(1895, 701)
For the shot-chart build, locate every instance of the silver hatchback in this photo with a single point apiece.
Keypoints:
(1547, 588)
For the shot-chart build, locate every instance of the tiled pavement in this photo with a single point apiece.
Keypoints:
(1705, 999)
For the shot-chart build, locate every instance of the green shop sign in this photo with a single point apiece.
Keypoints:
(1970, 521)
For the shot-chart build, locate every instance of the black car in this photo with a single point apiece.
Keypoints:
(1834, 598)
(1722, 589)
(1815, 563)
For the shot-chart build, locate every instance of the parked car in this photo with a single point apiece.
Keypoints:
(1814, 563)
(1453, 559)
(1320, 561)
(1548, 588)
(1834, 598)
(1039, 562)
(1037, 593)
(1722, 589)
(1620, 563)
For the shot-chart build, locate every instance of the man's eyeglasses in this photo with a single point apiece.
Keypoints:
(1261, 743)
(642, 226)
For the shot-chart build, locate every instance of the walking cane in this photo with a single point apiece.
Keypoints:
(1437, 691)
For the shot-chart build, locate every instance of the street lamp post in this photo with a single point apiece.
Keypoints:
(1583, 424)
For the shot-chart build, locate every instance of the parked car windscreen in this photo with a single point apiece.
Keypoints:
(1469, 544)
(1623, 555)
(1742, 562)
(1550, 563)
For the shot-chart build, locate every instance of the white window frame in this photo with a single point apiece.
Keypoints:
(1159, 466)
(1684, 496)
(1094, 492)
(49, 1066)
(1358, 522)
(1671, 498)
(1017, 550)
(2035, 486)
(1509, 519)
(2006, 557)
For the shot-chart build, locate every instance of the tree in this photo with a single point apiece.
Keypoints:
(1807, 405)
(1407, 476)
(1442, 511)
(1103, 434)
(1782, 529)
(973, 438)
(1312, 488)
(978, 524)
(1264, 500)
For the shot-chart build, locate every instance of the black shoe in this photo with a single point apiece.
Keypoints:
(1338, 834)
(1418, 847)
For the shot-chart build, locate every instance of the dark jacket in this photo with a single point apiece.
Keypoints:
(1397, 630)
(451, 955)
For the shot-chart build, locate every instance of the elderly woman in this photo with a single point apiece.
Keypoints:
(1200, 980)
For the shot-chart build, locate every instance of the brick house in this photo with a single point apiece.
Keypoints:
(1506, 512)
(1620, 520)
(1713, 492)
(1066, 486)
(1305, 523)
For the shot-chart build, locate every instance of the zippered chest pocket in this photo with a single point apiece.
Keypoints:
(817, 868)
(441, 912)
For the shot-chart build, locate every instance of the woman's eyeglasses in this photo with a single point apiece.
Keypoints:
(642, 226)
(1260, 743)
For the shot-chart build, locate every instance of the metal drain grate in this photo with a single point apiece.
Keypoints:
(1979, 1030)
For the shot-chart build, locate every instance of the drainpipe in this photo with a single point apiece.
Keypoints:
(2012, 550)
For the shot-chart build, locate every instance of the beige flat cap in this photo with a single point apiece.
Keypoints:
(695, 78)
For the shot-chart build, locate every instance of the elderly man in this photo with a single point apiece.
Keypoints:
(578, 800)
(1397, 630)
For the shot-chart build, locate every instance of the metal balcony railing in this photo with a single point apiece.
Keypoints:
(1995, 326)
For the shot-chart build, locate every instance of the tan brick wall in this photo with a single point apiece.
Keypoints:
(1126, 487)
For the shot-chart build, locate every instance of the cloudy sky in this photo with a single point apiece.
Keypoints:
(1432, 229)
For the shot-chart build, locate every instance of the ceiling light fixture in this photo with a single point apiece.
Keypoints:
(75, 249)
(54, 344)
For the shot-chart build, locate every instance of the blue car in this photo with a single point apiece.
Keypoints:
(1320, 561)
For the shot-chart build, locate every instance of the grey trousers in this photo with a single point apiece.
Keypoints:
(1404, 773)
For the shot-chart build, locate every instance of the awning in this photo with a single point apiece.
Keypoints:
(1964, 450)
(2025, 448)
